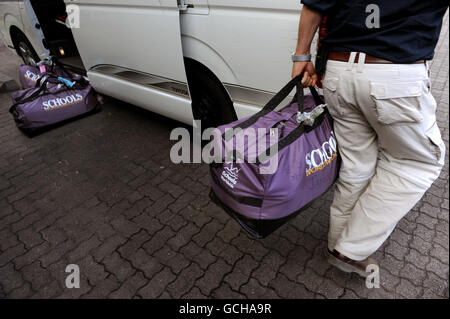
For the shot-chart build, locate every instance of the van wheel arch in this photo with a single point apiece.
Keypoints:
(18, 37)
(211, 102)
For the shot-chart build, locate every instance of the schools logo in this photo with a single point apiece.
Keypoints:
(31, 76)
(230, 175)
(320, 158)
(62, 102)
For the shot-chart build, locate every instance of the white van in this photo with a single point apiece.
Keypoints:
(214, 60)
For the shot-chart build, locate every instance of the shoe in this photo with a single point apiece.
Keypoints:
(348, 265)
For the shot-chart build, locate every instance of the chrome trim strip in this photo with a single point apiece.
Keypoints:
(251, 96)
(238, 94)
(164, 84)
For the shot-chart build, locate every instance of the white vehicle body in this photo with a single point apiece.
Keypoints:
(134, 50)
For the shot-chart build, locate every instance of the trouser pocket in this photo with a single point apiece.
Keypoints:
(437, 146)
(397, 102)
(330, 85)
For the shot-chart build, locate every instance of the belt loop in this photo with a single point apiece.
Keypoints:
(361, 61)
(351, 61)
(427, 66)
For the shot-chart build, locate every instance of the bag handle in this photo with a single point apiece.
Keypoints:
(275, 102)
(22, 99)
(37, 85)
(41, 88)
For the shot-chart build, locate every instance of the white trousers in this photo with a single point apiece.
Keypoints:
(391, 148)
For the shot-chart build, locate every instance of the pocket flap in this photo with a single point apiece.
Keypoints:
(435, 135)
(392, 90)
(438, 147)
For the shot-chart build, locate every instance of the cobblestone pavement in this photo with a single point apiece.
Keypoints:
(102, 193)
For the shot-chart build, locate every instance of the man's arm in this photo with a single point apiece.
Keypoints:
(309, 23)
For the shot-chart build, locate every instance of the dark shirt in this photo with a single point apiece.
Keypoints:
(408, 32)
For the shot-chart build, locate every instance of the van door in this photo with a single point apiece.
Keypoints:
(142, 35)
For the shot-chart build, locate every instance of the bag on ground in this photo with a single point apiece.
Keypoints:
(274, 164)
(29, 74)
(52, 100)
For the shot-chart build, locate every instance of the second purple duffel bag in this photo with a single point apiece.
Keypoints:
(297, 163)
(29, 75)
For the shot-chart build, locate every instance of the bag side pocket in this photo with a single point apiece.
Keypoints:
(397, 102)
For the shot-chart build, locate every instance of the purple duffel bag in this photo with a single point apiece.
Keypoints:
(297, 163)
(29, 75)
(52, 102)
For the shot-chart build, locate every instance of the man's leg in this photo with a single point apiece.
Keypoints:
(411, 157)
(358, 147)
(387, 199)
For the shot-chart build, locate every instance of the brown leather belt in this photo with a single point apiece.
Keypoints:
(345, 56)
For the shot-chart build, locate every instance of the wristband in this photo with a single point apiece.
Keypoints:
(301, 58)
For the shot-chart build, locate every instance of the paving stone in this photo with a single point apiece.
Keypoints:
(10, 278)
(225, 292)
(288, 289)
(175, 261)
(330, 289)
(254, 290)
(295, 263)
(435, 286)
(95, 272)
(241, 272)
(407, 290)
(213, 277)
(118, 266)
(208, 233)
(183, 236)
(129, 287)
(48, 291)
(157, 284)
(268, 268)
(195, 293)
(395, 249)
(148, 265)
(159, 240)
(108, 246)
(185, 281)
(413, 274)
(348, 294)
(11, 254)
(36, 275)
(230, 231)
(102, 289)
(83, 249)
(135, 242)
(438, 268)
